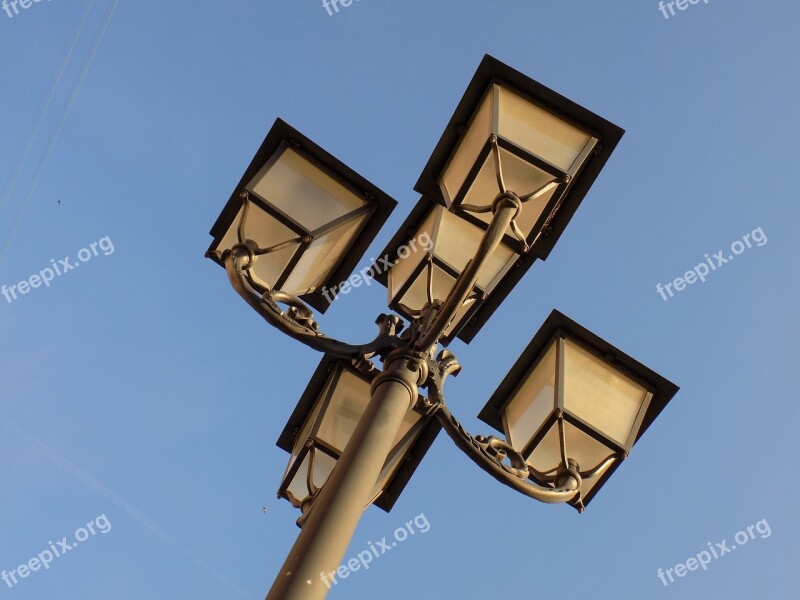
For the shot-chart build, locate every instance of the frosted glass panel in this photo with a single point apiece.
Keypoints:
(599, 394)
(539, 132)
(467, 150)
(304, 191)
(417, 295)
(585, 450)
(348, 403)
(460, 315)
(533, 402)
(394, 462)
(323, 465)
(263, 229)
(321, 257)
(521, 178)
(456, 244)
(409, 259)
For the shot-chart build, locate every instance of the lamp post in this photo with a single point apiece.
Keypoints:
(510, 170)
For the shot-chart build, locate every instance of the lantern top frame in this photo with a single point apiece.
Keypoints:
(556, 324)
(492, 71)
(282, 134)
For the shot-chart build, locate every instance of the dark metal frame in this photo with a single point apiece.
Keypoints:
(281, 136)
(558, 326)
(426, 430)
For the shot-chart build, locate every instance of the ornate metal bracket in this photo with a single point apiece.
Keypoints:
(298, 321)
(497, 457)
(491, 453)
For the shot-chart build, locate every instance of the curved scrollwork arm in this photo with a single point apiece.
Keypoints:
(298, 321)
(491, 453)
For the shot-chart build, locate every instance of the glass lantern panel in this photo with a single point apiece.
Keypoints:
(456, 243)
(348, 402)
(521, 178)
(461, 314)
(467, 151)
(305, 432)
(321, 257)
(589, 483)
(323, 465)
(417, 295)
(540, 132)
(398, 453)
(533, 402)
(264, 230)
(304, 191)
(410, 255)
(582, 448)
(599, 394)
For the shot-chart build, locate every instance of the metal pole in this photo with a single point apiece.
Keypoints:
(507, 206)
(337, 509)
(310, 569)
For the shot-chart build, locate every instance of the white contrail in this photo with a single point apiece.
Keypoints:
(88, 480)
(65, 113)
(22, 158)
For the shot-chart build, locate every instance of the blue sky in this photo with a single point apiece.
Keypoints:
(141, 388)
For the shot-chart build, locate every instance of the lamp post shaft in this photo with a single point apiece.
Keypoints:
(310, 569)
(507, 209)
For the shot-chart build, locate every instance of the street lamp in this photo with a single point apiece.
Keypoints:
(574, 400)
(313, 215)
(510, 141)
(323, 423)
(421, 274)
(510, 170)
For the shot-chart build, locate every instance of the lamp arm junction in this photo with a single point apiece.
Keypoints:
(505, 208)
(298, 321)
(491, 453)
